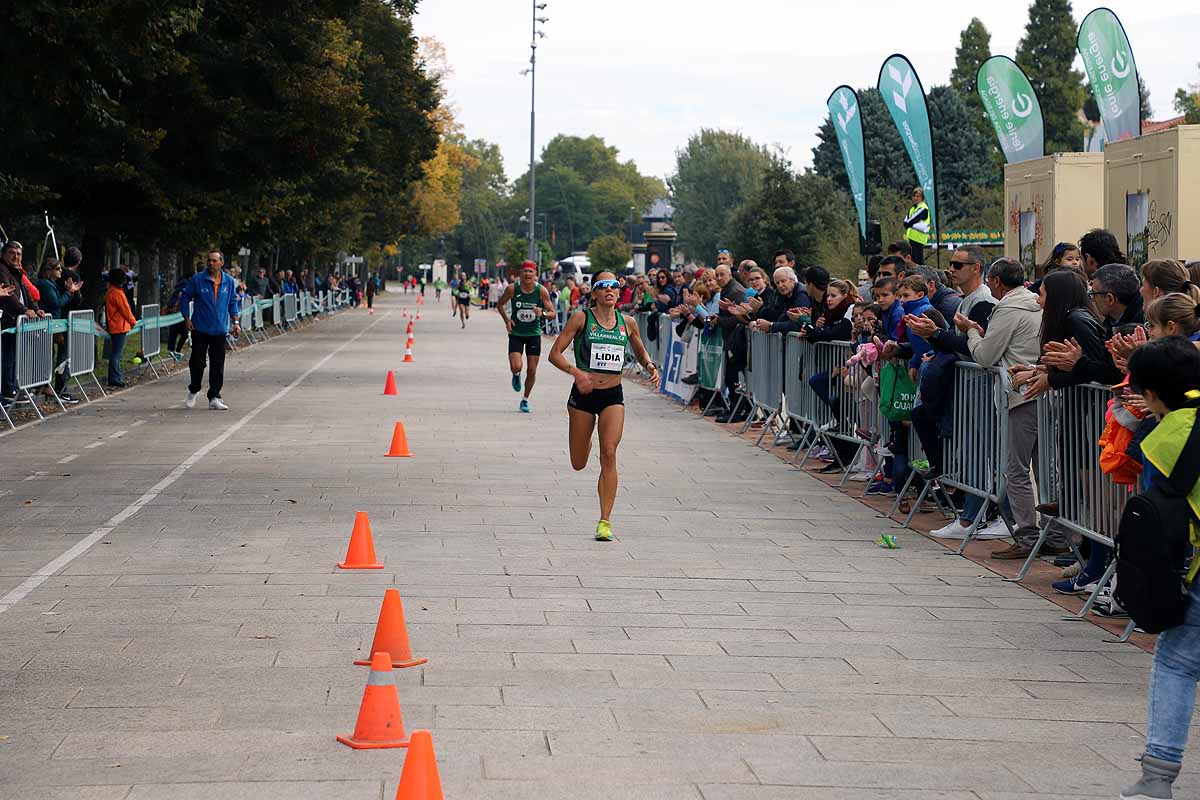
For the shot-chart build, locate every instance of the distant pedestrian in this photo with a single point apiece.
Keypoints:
(371, 294)
(118, 321)
(214, 299)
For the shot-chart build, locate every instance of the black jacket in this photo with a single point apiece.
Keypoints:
(734, 292)
(1096, 365)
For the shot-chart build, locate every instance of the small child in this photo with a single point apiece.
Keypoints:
(1167, 373)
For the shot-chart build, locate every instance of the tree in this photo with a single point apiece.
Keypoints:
(1187, 102)
(788, 210)
(716, 172)
(609, 253)
(974, 48)
(1046, 53)
(964, 156)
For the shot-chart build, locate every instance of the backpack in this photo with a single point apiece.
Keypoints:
(1154, 545)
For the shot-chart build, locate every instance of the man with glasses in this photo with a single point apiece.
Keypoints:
(214, 298)
(1115, 289)
(724, 258)
(890, 267)
(17, 299)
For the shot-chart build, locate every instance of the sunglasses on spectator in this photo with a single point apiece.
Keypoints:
(606, 284)
(960, 264)
(722, 252)
(1092, 293)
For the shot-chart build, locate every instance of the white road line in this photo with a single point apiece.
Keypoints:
(93, 445)
(45, 573)
(139, 423)
(34, 476)
(68, 459)
(117, 435)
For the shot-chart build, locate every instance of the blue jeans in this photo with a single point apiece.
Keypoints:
(116, 350)
(971, 506)
(1173, 681)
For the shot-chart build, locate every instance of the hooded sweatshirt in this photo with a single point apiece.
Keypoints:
(918, 344)
(1012, 336)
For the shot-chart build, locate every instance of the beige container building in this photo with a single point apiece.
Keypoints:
(1049, 200)
(1152, 193)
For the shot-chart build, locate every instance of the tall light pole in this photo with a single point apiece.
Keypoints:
(532, 73)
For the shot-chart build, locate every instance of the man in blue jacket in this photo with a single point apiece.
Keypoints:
(209, 302)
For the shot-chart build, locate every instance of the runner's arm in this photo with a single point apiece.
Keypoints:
(572, 329)
(639, 348)
(550, 312)
(502, 305)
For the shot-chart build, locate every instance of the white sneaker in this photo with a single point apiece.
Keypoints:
(191, 400)
(992, 530)
(216, 405)
(951, 530)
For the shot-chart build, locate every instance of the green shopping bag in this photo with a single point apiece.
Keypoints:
(897, 394)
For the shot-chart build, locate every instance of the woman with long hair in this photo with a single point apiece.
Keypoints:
(599, 336)
(1163, 276)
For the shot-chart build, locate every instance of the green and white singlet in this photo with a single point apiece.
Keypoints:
(526, 311)
(600, 349)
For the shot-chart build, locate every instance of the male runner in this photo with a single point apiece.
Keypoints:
(462, 300)
(530, 303)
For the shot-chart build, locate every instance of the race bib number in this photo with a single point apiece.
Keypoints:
(526, 315)
(607, 357)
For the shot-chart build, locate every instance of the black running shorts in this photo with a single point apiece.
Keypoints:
(530, 345)
(596, 400)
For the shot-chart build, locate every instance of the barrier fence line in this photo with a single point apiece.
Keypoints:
(766, 378)
(34, 341)
(711, 367)
(3, 408)
(81, 349)
(35, 359)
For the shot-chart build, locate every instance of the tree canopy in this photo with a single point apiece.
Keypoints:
(1046, 52)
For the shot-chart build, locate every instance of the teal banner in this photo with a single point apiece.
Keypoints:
(847, 123)
(904, 97)
(1112, 74)
(1013, 107)
(710, 358)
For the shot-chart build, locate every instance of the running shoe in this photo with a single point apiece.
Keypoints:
(604, 531)
(1080, 584)
(524, 405)
(881, 487)
(516, 382)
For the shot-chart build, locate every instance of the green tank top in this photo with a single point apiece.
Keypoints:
(600, 349)
(526, 311)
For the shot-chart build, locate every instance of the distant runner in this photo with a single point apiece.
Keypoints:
(599, 336)
(462, 296)
(530, 303)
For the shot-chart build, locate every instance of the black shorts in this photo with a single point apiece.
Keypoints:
(596, 400)
(530, 345)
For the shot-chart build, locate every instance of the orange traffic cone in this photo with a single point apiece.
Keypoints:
(409, 331)
(408, 357)
(419, 779)
(391, 634)
(399, 443)
(389, 386)
(361, 553)
(380, 724)
(418, 316)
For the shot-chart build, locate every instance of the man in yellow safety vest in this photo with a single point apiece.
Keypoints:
(918, 225)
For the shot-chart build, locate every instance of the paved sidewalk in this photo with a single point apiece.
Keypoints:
(742, 640)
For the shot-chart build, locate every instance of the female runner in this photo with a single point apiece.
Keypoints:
(599, 335)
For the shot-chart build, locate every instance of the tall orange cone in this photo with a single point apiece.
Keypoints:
(361, 552)
(389, 386)
(409, 331)
(419, 779)
(391, 634)
(380, 724)
(399, 443)
(408, 357)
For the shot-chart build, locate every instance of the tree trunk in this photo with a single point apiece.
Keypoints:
(148, 287)
(92, 269)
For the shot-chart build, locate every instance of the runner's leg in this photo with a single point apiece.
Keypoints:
(612, 425)
(531, 375)
(580, 437)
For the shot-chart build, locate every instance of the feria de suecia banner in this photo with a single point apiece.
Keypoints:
(1013, 108)
(1112, 73)
(847, 124)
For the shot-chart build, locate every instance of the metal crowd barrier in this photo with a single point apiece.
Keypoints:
(35, 359)
(3, 409)
(976, 454)
(151, 336)
(289, 308)
(277, 313)
(1070, 422)
(81, 349)
(665, 324)
(802, 404)
(766, 377)
(842, 423)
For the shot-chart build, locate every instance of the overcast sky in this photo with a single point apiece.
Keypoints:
(646, 74)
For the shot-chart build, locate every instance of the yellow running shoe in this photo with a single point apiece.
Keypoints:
(604, 531)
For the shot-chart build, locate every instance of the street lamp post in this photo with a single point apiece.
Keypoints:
(532, 72)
